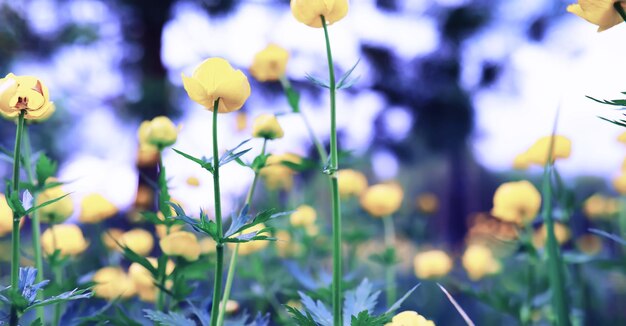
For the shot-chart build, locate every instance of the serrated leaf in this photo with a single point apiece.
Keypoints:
(321, 315)
(317, 81)
(456, 305)
(300, 318)
(361, 299)
(262, 217)
(365, 319)
(618, 102)
(170, 319)
(204, 163)
(75, 294)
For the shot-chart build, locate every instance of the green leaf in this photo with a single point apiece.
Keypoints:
(317, 81)
(293, 98)
(232, 154)
(259, 162)
(37, 322)
(365, 319)
(609, 236)
(456, 305)
(15, 203)
(170, 319)
(387, 258)
(344, 82)
(75, 294)
(618, 102)
(45, 168)
(300, 318)
(135, 257)
(204, 163)
(44, 204)
(398, 303)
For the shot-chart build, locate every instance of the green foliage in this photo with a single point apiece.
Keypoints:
(300, 318)
(44, 169)
(386, 258)
(171, 318)
(293, 98)
(365, 319)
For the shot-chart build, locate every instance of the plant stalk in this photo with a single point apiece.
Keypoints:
(165, 210)
(15, 233)
(219, 247)
(390, 270)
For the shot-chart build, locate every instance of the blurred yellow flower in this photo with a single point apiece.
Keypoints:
(622, 139)
(516, 202)
(67, 238)
(270, 63)
(352, 183)
(160, 132)
(110, 236)
(193, 181)
(599, 207)
(161, 229)
(382, 200)
(538, 152)
(207, 246)
(521, 161)
(24, 93)
(95, 209)
(598, 12)
(589, 244)
(182, 243)
(246, 248)
(304, 215)
(478, 261)
(232, 307)
(267, 126)
(312, 230)
(276, 175)
(58, 211)
(619, 184)
(432, 264)
(6, 216)
(308, 12)
(241, 121)
(112, 283)
(285, 246)
(216, 79)
(144, 282)
(410, 318)
(561, 232)
(427, 203)
(138, 240)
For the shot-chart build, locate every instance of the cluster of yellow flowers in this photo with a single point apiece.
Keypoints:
(600, 207)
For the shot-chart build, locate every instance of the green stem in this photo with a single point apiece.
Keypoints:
(15, 233)
(165, 210)
(219, 247)
(233, 259)
(35, 223)
(622, 220)
(617, 5)
(58, 279)
(332, 170)
(555, 267)
(390, 270)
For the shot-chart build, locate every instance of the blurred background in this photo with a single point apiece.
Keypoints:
(450, 91)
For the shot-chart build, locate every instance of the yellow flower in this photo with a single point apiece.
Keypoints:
(351, 183)
(427, 203)
(58, 211)
(95, 209)
(24, 93)
(269, 64)
(110, 236)
(246, 248)
(207, 246)
(241, 121)
(303, 216)
(67, 238)
(143, 280)
(432, 264)
(216, 79)
(561, 232)
(182, 244)
(478, 261)
(312, 230)
(267, 126)
(277, 175)
(538, 152)
(382, 199)
(589, 244)
(598, 12)
(232, 307)
(112, 283)
(193, 181)
(308, 12)
(516, 202)
(138, 240)
(410, 318)
(619, 184)
(598, 207)
(160, 132)
(521, 161)
(622, 139)
(285, 246)
(6, 216)
(161, 229)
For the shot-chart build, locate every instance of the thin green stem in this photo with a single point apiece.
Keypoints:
(332, 170)
(618, 6)
(35, 223)
(230, 276)
(219, 247)
(622, 220)
(165, 209)
(58, 279)
(555, 266)
(390, 270)
(15, 234)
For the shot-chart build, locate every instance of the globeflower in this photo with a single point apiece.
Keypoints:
(112, 283)
(382, 199)
(410, 318)
(267, 126)
(303, 216)
(67, 238)
(598, 207)
(432, 264)
(598, 12)
(269, 64)
(516, 202)
(216, 79)
(24, 93)
(276, 174)
(58, 211)
(352, 183)
(561, 232)
(308, 12)
(182, 244)
(95, 209)
(138, 240)
(478, 261)
(160, 132)
(144, 282)
(538, 152)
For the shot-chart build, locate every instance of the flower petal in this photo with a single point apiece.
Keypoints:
(197, 92)
(233, 92)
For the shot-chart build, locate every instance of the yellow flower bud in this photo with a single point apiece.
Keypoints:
(160, 132)
(410, 318)
(277, 175)
(58, 211)
(138, 240)
(24, 93)
(182, 244)
(216, 79)
(600, 207)
(95, 209)
(303, 216)
(112, 283)
(478, 261)
(589, 244)
(267, 126)
(427, 203)
(193, 181)
(269, 64)
(6, 216)
(67, 238)
(516, 202)
(598, 12)
(382, 200)
(308, 12)
(432, 264)
(351, 183)
(247, 248)
(538, 152)
(561, 232)
(110, 236)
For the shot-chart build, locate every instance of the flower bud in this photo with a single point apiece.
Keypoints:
(516, 202)
(303, 216)
(478, 261)
(432, 264)
(308, 12)
(67, 238)
(160, 132)
(112, 283)
(269, 64)
(410, 318)
(95, 209)
(267, 126)
(138, 240)
(182, 244)
(539, 151)
(382, 200)
(352, 183)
